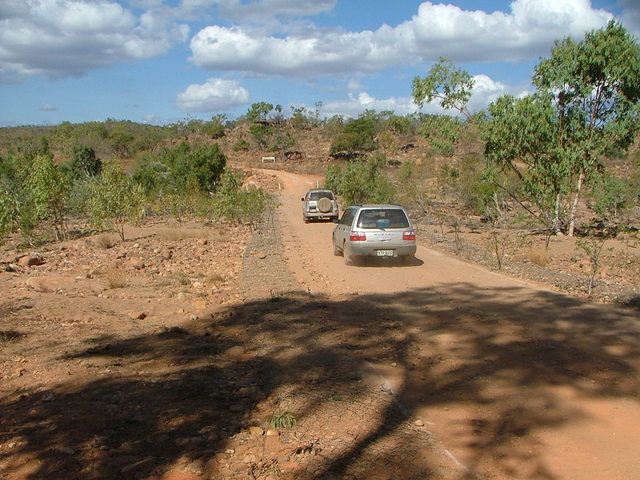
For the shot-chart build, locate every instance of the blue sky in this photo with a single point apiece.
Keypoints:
(162, 61)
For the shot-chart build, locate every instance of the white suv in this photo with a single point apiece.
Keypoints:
(382, 231)
(319, 204)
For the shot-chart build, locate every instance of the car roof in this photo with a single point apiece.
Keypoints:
(376, 205)
(320, 190)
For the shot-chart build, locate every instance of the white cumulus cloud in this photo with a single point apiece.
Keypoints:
(214, 95)
(222, 48)
(62, 38)
(355, 104)
(437, 30)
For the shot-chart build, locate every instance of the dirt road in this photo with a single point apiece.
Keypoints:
(513, 380)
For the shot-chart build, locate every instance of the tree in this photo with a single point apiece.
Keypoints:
(521, 138)
(442, 132)
(357, 134)
(206, 163)
(215, 128)
(84, 163)
(237, 205)
(47, 188)
(361, 181)
(595, 88)
(258, 112)
(586, 101)
(16, 203)
(184, 165)
(451, 86)
(116, 199)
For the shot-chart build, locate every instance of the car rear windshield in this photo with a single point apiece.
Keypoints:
(319, 195)
(383, 218)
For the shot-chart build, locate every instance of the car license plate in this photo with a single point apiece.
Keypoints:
(384, 253)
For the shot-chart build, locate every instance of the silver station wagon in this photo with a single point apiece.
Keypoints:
(380, 231)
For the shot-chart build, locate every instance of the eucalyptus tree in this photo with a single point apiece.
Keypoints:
(586, 103)
(116, 199)
(594, 86)
(47, 188)
(451, 87)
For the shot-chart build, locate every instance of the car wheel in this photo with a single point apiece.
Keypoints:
(306, 219)
(349, 258)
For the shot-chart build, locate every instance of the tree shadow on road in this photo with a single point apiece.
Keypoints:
(186, 397)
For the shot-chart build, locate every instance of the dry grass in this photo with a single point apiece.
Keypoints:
(173, 234)
(116, 278)
(538, 256)
(104, 242)
(216, 278)
(8, 337)
(177, 278)
(177, 234)
(181, 278)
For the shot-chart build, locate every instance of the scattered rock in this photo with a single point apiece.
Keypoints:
(257, 431)
(137, 263)
(31, 260)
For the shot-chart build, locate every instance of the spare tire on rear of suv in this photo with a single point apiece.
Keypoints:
(324, 205)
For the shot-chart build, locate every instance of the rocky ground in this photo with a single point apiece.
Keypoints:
(566, 267)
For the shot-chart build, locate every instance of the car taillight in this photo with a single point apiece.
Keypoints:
(357, 237)
(409, 235)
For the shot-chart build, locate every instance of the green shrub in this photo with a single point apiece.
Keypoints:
(241, 145)
(84, 163)
(611, 195)
(47, 188)
(358, 134)
(361, 182)
(236, 205)
(115, 199)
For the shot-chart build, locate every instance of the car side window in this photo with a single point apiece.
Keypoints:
(347, 217)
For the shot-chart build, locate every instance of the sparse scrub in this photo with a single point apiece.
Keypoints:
(235, 205)
(7, 337)
(216, 278)
(116, 278)
(592, 246)
(538, 256)
(498, 244)
(174, 234)
(181, 278)
(104, 242)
